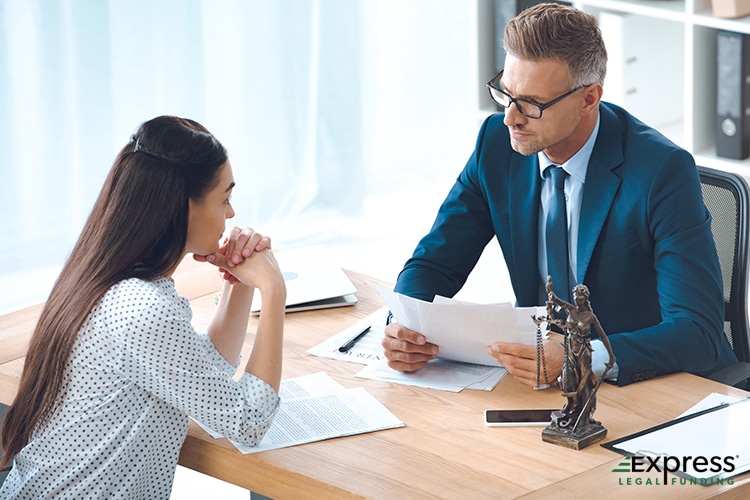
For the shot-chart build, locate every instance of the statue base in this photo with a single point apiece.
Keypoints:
(583, 436)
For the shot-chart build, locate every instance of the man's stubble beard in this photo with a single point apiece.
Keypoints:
(526, 148)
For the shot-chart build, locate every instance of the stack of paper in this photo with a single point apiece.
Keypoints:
(463, 330)
(439, 374)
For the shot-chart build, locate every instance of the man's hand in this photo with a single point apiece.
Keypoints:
(407, 350)
(520, 360)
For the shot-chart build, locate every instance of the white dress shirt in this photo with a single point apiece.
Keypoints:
(576, 167)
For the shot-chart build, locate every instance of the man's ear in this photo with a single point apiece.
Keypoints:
(592, 96)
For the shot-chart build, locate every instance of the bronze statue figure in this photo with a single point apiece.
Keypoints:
(574, 425)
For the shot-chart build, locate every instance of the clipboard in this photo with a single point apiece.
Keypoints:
(720, 434)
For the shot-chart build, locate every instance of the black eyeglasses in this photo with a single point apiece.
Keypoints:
(527, 108)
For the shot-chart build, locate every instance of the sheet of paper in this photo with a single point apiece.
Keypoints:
(712, 400)
(718, 433)
(315, 418)
(368, 349)
(314, 384)
(463, 330)
(440, 374)
(314, 408)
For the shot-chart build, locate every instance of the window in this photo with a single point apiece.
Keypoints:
(322, 105)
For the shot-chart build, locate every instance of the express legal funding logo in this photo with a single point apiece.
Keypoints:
(664, 470)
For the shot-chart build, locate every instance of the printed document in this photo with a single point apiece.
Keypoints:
(368, 349)
(314, 408)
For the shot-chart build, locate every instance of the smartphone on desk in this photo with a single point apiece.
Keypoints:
(498, 418)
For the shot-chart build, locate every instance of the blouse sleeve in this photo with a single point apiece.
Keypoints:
(215, 357)
(160, 351)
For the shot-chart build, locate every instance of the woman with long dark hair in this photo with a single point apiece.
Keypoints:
(114, 368)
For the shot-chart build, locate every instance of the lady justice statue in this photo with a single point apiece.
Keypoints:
(574, 426)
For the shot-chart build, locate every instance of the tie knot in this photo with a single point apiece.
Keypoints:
(557, 174)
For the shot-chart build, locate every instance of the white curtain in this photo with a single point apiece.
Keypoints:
(322, 104)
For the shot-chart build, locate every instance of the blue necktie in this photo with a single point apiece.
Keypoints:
(557, 235)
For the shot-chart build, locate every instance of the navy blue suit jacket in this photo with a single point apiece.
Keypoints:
(645, 248)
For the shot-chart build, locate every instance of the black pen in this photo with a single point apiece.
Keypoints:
(354, 340)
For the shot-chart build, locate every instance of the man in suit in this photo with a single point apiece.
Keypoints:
(638, 233)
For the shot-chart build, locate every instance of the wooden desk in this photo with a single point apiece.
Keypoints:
(444, 451)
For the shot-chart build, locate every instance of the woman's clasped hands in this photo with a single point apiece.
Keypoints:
(245, 256)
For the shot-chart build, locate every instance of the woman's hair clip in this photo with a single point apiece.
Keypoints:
(138, 146)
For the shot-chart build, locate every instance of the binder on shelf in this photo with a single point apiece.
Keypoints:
(732, 95)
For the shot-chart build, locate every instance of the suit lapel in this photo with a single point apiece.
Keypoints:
(523, 194)
(597, 202)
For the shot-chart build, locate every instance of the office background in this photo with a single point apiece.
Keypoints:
(346, 122)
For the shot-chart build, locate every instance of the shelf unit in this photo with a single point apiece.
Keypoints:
(696, 130)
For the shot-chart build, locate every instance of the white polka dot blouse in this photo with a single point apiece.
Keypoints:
(137, 371)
